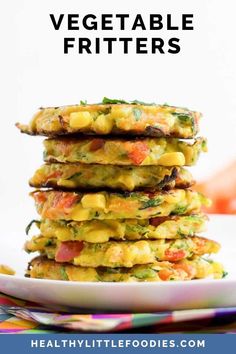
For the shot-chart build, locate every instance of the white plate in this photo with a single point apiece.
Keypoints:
(129, 296)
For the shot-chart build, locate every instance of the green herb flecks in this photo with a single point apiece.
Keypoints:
(178, 244)
(28, 227)
(208, 260)
(151, 203)
(137, 113)
(204, 145)
(183, 118)
(63, 273)
(107, 100)
(74, 176)
(179, 210)
(48, 243)
(98, 277)
(83, 103)
(194, 218)
(181, 234)
(45, 155)
(96, 247)
(145, 273)
(113, 270)
(143, 103)
(136, 228)
(224, 274)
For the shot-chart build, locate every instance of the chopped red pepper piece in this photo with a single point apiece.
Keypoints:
(174, 255)
(138, 152)
(68, 250)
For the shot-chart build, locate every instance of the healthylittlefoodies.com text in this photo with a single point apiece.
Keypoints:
(117, 343)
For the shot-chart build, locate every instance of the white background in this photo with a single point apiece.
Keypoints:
(35, 72)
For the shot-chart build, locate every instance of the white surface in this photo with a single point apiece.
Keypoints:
(132, 296)
(35, 72)
(137, 297)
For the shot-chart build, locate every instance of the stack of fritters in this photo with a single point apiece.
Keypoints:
(114, 198)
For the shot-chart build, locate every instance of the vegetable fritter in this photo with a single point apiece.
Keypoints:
(81, 176)
(99, 231)
(196, 268)
(107, 118)
(121, 253)
(145, 152)
(59, 205)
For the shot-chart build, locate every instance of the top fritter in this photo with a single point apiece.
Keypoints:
(115, 117)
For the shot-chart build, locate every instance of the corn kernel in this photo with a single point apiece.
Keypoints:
(94, 201)
(172, 159)
(4, 269)
(126, 181)
(82, 275)
(100, 235)
(66, 183)
(80, 120)
(103, 124)
(80, 214)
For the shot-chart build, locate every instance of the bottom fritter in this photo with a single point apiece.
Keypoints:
(196, 268)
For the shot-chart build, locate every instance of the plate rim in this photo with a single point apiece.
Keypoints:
(118, 284)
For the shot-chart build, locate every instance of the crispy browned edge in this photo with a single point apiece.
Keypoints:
(149, 131)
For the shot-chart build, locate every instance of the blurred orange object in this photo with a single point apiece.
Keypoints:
(221, 189)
